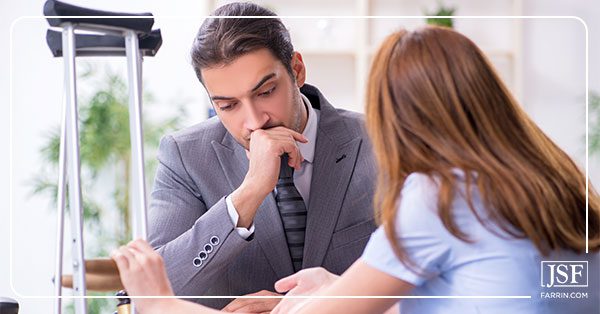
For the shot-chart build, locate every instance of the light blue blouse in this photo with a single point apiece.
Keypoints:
(490, 266)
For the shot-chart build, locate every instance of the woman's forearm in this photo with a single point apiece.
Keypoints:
(177, 306)
(361, 280)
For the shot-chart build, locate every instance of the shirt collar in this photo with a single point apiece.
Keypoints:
(310, 131)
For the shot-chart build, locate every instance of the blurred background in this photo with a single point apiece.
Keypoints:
(542, 61)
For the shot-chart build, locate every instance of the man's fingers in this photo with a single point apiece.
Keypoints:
(252, 304)
(294, 156)
(286, 284)
(258, 306)
(297, 136)
(282, 141)
(235, 304)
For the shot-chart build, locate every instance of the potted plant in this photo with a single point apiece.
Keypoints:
(443, 12)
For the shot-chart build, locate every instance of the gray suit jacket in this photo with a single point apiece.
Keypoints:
(202, 164)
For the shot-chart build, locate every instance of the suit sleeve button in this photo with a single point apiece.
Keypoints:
(197, 262)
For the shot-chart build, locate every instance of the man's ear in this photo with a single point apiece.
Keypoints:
(298, 69)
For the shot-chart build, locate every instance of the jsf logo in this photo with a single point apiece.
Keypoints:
(564, 274)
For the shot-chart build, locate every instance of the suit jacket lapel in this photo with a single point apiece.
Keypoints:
(335, 158)
(269, 229)
(232, 160)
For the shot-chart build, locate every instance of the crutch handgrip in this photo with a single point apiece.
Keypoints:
(101, 266)
(101, 275)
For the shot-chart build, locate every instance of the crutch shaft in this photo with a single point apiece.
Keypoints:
(139, 213)
(75, 205)
(62, 170)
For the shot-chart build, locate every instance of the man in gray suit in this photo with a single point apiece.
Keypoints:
(279, 182)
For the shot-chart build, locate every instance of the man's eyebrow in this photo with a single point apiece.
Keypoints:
(262, 81)
(213, 98)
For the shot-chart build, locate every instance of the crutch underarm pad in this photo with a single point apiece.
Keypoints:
(57, 8)
(103, 45)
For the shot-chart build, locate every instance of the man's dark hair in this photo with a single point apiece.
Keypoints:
(222, 40)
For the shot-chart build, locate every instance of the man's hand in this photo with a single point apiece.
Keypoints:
(253, 305)
(143, 273)
(265, 151)
(303, 283)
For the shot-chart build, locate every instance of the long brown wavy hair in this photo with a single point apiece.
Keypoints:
(434, 104)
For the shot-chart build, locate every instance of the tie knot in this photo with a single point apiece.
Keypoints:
(285, 171)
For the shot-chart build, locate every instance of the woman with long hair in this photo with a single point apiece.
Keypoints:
(472, 196)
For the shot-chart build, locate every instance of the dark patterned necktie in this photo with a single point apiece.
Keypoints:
(293, 212)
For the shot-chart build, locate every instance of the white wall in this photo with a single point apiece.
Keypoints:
(553, 66)
(554, 72)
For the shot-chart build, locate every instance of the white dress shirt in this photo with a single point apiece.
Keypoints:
(302, 177)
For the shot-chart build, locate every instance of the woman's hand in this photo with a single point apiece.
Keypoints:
(303, 283)
(143, 273)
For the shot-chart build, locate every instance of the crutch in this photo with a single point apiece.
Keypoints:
(8, 306)
(131, 37)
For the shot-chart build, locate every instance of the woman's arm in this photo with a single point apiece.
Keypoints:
(359, 280)
(178, 306)
(143, 273)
